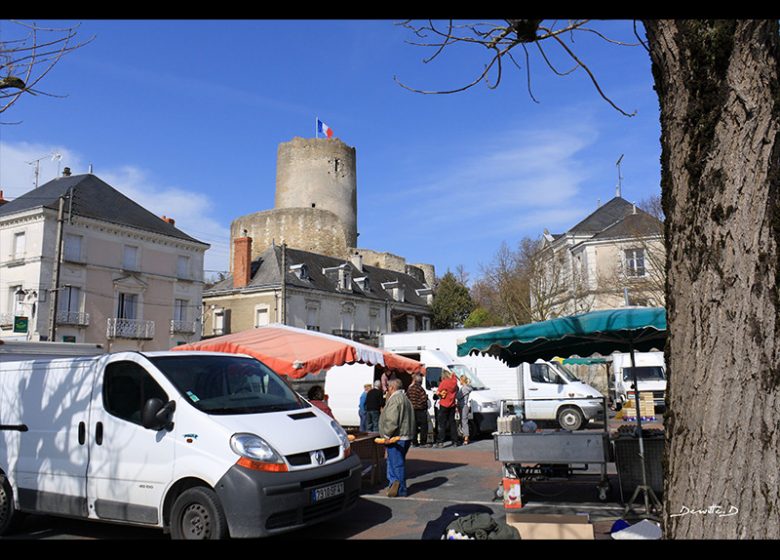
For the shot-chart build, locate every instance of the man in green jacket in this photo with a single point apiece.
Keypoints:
(397, 420)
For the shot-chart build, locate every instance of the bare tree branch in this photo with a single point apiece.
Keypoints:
(501, 39)
(26, 60)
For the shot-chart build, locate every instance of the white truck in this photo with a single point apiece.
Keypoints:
(484, 401)
(650, 373)
(549, 390)
(203, 445)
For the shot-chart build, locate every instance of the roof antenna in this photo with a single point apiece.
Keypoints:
(620, 178)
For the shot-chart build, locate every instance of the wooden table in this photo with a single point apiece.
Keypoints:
(370, 453)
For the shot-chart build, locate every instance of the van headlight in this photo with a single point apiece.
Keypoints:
(343, 438)
(256, 453)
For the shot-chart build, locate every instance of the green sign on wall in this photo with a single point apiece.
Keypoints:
(21, 324)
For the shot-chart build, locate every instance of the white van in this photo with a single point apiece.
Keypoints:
(650, 376)
(204, 445)
(551, 392)
(484, 402)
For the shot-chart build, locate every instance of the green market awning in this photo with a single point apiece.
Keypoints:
(598, 332)
(584, 361)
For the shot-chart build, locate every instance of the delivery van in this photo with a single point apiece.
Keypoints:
(202, 445)
(650, 374)
(551, 392)
(484, 401)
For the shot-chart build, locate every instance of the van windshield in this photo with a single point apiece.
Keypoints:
(228, 384)
(644, 373)
(474, 381)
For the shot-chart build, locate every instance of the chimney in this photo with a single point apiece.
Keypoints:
(357, 261)
(66, 172)
(242, 261)
(168, 220)
(2, 200)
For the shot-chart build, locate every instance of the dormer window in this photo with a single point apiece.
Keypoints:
(395, 289)
(364, 283)
(344, 278)
(301, 271)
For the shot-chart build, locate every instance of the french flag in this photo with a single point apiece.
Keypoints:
(324, 129)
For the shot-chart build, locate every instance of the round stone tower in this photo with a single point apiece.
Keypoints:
(319, 173)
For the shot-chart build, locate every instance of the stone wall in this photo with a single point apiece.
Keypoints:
(319, 173)
(308, 229)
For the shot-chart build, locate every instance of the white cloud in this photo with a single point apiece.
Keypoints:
(191, 210)
(511, 183)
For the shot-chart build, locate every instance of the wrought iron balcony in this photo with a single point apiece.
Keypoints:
(130, 328)
(73, 318)
(183, 327)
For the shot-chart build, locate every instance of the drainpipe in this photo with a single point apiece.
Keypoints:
(284, 289)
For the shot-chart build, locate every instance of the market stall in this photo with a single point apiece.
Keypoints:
(602, 332)
(296, 353)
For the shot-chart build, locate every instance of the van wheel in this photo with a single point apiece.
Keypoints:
(197, 515)
(9, 517)
(570, 418)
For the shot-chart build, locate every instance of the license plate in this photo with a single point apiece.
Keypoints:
(319, 494)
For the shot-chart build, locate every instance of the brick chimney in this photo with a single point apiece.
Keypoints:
(168, 220)
(2, 200)
(242, 261)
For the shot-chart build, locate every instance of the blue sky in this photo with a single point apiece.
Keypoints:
(186, 116)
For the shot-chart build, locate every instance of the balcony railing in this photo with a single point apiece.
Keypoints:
(73, 318)
(130, 328)
(183, 327)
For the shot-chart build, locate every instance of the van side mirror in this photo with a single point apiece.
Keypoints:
(157, 415)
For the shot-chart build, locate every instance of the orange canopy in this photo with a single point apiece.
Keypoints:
(296, 352)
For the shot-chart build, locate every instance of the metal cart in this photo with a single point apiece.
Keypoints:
(552, 454)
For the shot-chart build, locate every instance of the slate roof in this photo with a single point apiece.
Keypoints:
(266, 272)
(633, 225)
(94, 198)
(605, 216)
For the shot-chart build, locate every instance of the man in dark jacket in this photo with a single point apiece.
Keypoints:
(419, 399)
(374, 403)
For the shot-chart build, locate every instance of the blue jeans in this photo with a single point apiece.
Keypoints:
(363, 420)
(396, 464)
(372, 420)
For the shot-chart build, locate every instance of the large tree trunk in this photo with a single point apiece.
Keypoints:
(719, 90)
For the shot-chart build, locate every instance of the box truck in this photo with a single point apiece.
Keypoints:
(650, 374)
(551, 392)
(13, 351)
(202, 445)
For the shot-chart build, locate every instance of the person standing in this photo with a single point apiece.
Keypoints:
(374, 403)
(318, 398)
(362, 407)
(447, 392)
(419, 400)
(397, 421)
(464, 406)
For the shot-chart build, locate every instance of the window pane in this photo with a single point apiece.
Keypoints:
(19, 245)
(72, 249)
(183, 267)
(126, 387)
(130, 257)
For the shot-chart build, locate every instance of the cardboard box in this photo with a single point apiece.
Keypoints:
(534, 526)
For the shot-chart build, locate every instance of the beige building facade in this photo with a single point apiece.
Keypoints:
(127, 279)
(613, 258)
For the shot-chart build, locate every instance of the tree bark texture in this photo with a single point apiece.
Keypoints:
(718, 84)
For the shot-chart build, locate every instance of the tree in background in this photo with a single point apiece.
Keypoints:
(718, 84)
(28, 52)
(452, 303)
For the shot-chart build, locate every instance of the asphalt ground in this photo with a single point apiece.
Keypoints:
(442, 482)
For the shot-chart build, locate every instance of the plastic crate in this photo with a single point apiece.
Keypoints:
(629, 466)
